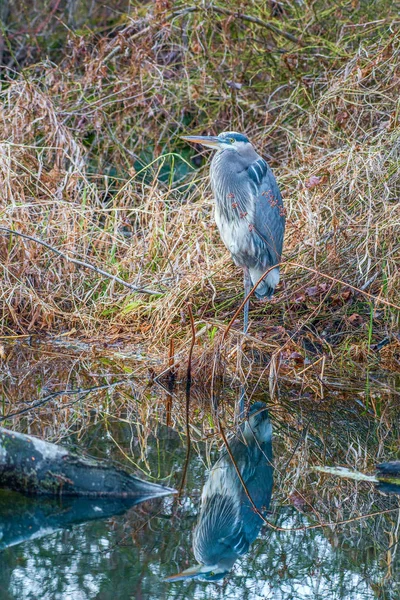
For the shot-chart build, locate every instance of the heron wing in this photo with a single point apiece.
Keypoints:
(218, 533)
(259, 483)
(269, 213)
(228, 524)
(254, 461)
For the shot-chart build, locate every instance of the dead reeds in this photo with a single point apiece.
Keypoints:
(92, 165)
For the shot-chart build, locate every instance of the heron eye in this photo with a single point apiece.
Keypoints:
(232, 140)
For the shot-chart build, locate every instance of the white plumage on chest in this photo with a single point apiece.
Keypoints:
(235, 234)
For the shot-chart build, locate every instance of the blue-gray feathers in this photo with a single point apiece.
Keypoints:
(228, 524)
(249, 211)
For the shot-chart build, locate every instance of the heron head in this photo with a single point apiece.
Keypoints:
(204, 572)
(228, 140)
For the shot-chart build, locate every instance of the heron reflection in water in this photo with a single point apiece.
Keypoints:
(228, 523)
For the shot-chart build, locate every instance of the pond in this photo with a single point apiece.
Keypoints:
(75, 549)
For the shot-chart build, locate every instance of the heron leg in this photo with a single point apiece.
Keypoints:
(240, 412)
(247, 288)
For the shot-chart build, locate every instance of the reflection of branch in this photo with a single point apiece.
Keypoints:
(81, 263)
(303, 527)
(55, 395)
(188, 386)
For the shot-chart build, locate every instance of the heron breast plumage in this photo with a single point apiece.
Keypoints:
(249, 214)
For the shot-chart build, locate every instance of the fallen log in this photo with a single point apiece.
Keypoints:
(32, 466)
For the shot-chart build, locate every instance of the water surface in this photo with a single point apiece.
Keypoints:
(56, 549)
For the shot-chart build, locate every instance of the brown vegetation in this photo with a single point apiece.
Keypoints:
(92, 165)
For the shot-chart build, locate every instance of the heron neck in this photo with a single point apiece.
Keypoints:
(226, 176)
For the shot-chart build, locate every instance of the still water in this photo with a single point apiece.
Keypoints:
(78, 549)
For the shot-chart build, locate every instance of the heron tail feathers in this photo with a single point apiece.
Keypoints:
(266, 287)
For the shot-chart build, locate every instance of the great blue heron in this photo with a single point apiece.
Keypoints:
(228, 523)
(249, 211)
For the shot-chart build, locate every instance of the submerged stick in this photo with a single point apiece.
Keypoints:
(81, 393)
(346, 473)
(188, 388)
(388, 473)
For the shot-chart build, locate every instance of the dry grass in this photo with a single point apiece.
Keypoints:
(91, 163)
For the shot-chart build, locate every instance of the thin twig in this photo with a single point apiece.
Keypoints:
(311, 270)
(236, 15)
(209, 8)
(336, 280)
(244, 301)
(81, 263)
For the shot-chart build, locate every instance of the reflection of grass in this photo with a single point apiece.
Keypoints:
(92, 164)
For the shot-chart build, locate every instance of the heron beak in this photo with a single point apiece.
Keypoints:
(210, 141)
(190, 573)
